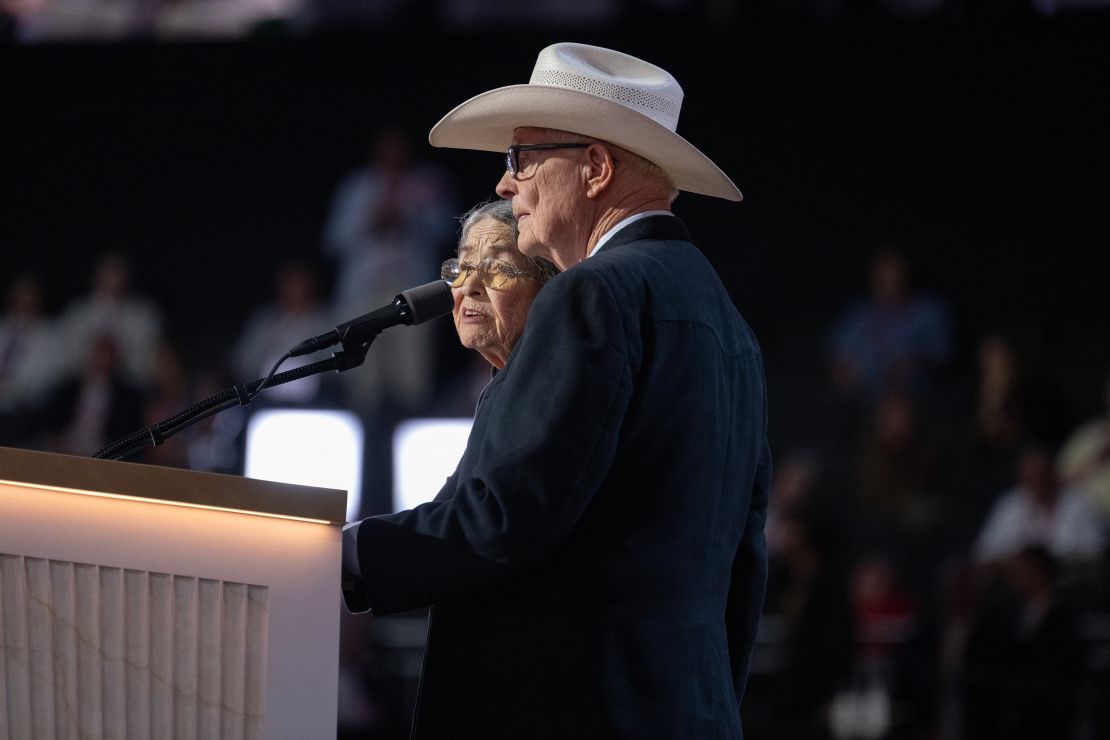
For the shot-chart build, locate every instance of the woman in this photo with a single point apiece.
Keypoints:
(493, 283)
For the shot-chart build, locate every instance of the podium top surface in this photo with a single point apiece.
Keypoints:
(171, 485)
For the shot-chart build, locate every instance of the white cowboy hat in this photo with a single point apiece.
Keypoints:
(596, 92)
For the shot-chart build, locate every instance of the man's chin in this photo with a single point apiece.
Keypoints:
(530, 247)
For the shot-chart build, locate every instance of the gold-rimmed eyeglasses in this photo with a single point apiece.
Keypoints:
(492, 273)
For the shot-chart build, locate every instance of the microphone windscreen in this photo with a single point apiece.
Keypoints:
(428, 301)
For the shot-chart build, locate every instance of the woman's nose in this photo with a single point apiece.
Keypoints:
(471, 283)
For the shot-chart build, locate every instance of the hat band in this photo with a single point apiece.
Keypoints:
(628, 96)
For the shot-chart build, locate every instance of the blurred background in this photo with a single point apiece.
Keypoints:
(922, 252)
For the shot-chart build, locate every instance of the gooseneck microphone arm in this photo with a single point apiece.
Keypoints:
(413, 306)
(237, 395)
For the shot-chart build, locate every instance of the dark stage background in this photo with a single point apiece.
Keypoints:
(983, 151)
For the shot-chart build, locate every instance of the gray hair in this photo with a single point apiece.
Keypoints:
(501, 210)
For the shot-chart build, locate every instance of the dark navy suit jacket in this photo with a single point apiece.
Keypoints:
(596, 565)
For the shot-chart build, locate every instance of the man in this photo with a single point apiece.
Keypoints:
(596, 565)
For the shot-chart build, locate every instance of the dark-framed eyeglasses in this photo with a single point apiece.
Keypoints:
(512, 156)
(492, 273)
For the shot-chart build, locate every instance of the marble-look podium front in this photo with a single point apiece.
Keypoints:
(145, 602)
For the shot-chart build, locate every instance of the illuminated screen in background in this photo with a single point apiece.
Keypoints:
(308, 447)
(425, 453)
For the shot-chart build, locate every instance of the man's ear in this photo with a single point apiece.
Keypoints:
(600, 169)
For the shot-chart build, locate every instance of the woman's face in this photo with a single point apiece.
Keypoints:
(491, 320)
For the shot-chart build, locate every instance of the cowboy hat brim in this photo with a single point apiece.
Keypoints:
(486, 123)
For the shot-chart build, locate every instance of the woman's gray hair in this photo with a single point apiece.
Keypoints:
(501, 210)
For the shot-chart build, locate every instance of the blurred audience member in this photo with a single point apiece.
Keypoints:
(1012, 403)
(28, 344)
(897, 470)
(902, 500)
(1041, 510)
(1002, 395)
(885, 620)
(884, 611)
(294, 313)
(215, 444)
(1008, 404)
(1084, 459)
(111, 307)
(796, 476)
(808, 594)
(390, 224)
(1024, 658)
(168, 395)
(896, 338)
(958, 609)
(85, 411)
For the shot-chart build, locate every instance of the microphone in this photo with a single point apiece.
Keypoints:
(412, 306)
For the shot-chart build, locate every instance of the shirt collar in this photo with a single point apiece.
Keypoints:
(621, 224)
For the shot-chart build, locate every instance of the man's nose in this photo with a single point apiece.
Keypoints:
(506, 186)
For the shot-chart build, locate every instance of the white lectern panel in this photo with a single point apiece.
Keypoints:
(123, 618)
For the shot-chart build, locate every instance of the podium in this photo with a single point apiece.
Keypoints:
(138, 601)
